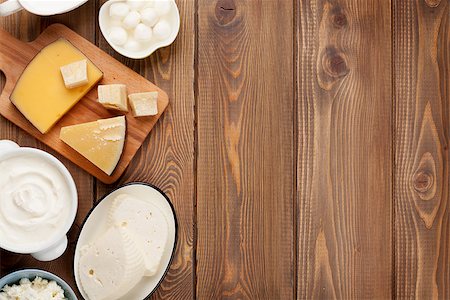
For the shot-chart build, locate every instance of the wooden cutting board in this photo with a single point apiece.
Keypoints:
(14, 57)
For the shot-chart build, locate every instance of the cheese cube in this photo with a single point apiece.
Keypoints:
(75, 74)
(144, 104)
(113, 96)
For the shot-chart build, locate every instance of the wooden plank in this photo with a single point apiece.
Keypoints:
(27, 27)
(166, 158)
(344, 142)
(422, 94)
(245, 177)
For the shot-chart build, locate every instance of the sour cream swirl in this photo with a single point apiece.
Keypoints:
(34, 201)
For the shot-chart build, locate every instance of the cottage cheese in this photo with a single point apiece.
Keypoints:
(38, 289)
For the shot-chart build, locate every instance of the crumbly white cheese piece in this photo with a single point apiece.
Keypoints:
(148, 225)
(113, 96)
(75, 74)
(144, 104)
(38, 289)
(111, 266)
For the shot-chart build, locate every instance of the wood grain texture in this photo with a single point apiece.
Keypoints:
(166, 158)
(27, 27)
(422, 95)
(15, 57)
(245, 150)
(344, 149)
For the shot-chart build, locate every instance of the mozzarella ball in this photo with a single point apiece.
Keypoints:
(131, 20)
(132, 45)
(143, 33)
(162, 30)
(149, 16)
(118, 10)
(136, 4)
(118, 35)
(162, 7)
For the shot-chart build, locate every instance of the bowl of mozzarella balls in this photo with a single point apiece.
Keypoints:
(137, 28)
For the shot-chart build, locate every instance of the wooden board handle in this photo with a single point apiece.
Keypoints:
(10, 48)
(13, 58)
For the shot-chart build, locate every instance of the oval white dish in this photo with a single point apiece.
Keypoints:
(96, 223)
(105, 23)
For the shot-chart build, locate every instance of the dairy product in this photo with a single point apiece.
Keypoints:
(144, 104)
(75, 74)
(38, 289)
(146, 223)
(40, 93)
(113, 96)
(101, 141)
(111, 265)
(34, 201)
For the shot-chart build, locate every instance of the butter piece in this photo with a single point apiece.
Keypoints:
(113, 96)
(111, 266)
(40, 94)
(148, 225)
(144, 104)
(75, 74)
(101, 141)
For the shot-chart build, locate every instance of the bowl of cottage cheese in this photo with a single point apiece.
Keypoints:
(34, 284)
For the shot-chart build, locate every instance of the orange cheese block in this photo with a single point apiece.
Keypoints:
(40, 93)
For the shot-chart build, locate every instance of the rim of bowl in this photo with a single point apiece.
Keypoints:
(151, 50)
(45, 275)
(175, 243)
(70, 182)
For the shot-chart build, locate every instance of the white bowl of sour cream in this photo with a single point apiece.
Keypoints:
(38, 202)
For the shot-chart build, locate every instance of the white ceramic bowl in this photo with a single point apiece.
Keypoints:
(55, 247)
(96, 223)
(173, 17)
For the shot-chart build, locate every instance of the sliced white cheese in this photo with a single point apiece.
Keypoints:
(148, 225)
(111, 266)
(75, 74)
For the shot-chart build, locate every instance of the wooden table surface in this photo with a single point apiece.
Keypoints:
(306, 148)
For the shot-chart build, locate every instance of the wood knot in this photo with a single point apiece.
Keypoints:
(433, 3)
(338, 17)
(334, 63)
(225, 11)
(423, 182)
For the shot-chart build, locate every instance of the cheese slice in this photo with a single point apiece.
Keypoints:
(111, 266)
(148, 225)
(40, 93)
(101, 141)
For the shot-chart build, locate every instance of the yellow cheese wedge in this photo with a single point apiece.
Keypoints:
(40, 93)
(101, 141)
